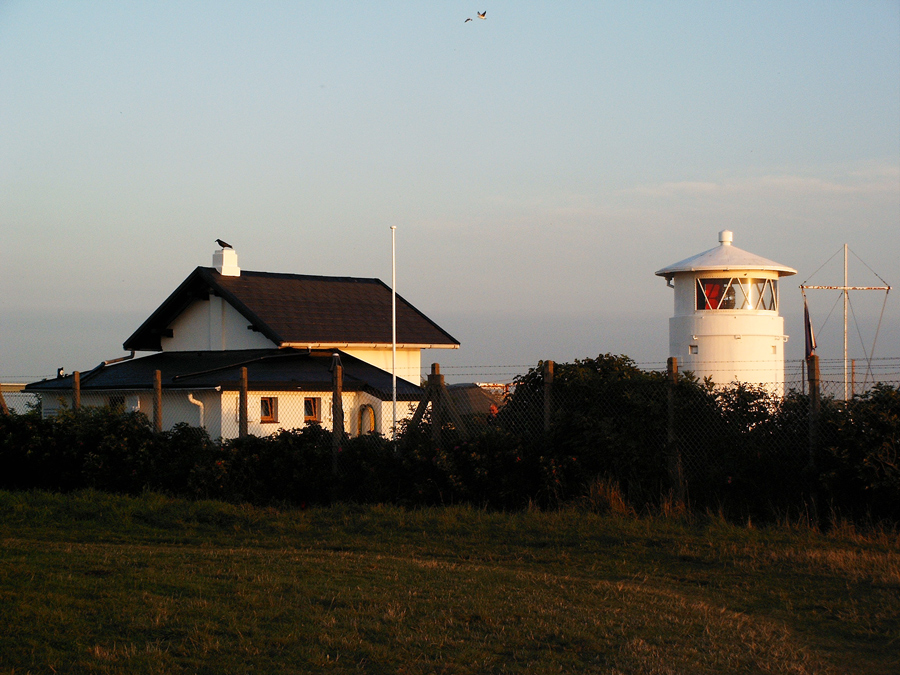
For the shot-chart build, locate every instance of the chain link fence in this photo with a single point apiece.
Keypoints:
(543, 432)
(20, 402)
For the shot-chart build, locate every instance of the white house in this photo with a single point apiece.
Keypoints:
(726, 324)
(285, 329)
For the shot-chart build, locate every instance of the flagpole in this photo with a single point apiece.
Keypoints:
(394, 327)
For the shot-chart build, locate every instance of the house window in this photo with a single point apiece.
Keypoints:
(366, 420)
(693, 349)
(268, 409)
(312, 410)
(116, 402)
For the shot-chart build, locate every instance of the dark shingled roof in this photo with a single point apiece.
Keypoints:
(267, 369)
(470, 399)
(296, 309)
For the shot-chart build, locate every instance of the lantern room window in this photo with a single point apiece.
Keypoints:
(715, 294)
(767, 293)
(735, 294)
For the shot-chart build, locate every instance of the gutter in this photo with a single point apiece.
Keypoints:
(199, 404)
(103, 364)
(120, 359)
(364, 345)
(233, 365)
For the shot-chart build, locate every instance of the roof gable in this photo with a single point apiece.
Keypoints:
(299, 310)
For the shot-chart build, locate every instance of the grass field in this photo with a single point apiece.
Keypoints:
(92, 583)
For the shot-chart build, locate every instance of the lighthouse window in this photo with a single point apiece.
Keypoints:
(736, 293)
(715, 294)
(709, 293)
(765, 292)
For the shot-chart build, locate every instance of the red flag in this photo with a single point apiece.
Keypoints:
(807, 325)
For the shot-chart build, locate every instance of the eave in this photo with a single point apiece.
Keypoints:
(363, 345)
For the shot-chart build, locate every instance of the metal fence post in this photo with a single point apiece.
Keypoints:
(815, 409)
(337, 410)
(815, 406)
(676, 469)
(242, 404)
(76, 390)
(436, 386)
(548, 394)
(157, 401)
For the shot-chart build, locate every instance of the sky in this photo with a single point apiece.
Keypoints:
(539, 165)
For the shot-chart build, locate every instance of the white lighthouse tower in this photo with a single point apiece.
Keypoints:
(726, 324)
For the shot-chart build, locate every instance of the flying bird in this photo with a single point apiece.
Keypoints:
(468, 20)
(481, 15)
(223, 244)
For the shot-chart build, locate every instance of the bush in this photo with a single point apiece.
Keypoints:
(742, 451)
(860, 458)
(608, 418)
(186, 462)
(21, 438)
(100, 448)
(290, 467)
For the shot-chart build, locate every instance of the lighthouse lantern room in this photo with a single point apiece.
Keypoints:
(726, 324)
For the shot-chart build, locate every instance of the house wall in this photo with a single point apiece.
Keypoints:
(220, 409)
(384, 413)
(291, 411)
(53, 401)
(213, 325)
(409, 361)
(176, 405)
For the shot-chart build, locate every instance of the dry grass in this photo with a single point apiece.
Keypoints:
(95, 584)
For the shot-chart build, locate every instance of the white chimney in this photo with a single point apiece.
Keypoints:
(225, 262)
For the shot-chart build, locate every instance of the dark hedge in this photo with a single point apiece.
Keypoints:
(742, 451)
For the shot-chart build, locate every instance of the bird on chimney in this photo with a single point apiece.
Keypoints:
(223, 244)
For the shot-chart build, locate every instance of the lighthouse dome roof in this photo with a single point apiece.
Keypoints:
(725, 257)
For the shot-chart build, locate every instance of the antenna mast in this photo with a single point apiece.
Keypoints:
(846, 288)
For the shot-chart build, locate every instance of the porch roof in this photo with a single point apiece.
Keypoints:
(267, 370)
